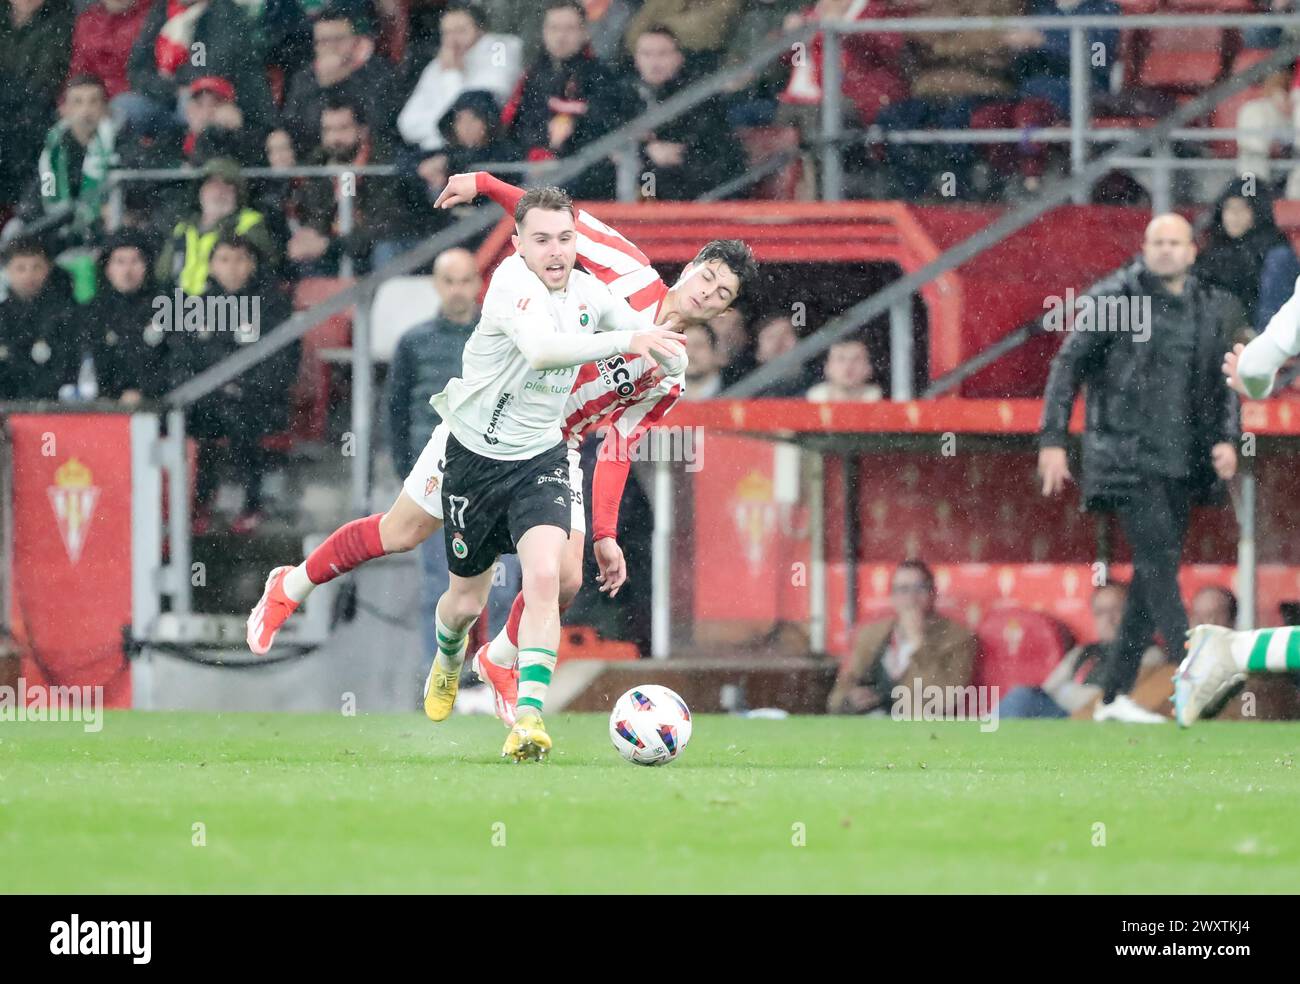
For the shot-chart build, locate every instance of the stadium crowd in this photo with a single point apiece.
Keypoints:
(434, 87)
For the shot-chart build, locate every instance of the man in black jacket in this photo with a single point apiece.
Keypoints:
(39, 347)
(118, 325)
(1160, 434)
(687, 156)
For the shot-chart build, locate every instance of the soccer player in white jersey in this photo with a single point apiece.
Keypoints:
(1218, 659)
(502, 460)
(627, 393)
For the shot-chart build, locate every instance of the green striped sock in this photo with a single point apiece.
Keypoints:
(1268, 650)
(451, 645)
(535, 668)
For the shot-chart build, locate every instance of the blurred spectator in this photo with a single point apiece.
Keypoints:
(701, 27)
(1267, 37)
(428, 355)
(1247, 254)
(916, 643)
(345, 67)
(216, 125)
(607, 22)
(703, 381)
(276, 198)
(472, 134)
(754, 99)
(1075, 682)
(385, 210)
(118, 325)
(871, 69)
(1274, 110)
(35, 48)
(468, 58)
(1041, 72)
(256, 404)
(689, 155)
(774, 336)
(1214, 605)
(550, 115)
(222, 211)
(165, 60)
(956, 73)
(735, 348)
(39, 349)
(74, 162)
(101, 41)
(850, 377)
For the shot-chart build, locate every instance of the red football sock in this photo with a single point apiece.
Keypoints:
(517, 613)
(351, 545)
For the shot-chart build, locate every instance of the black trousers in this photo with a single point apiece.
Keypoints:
(1155, 522)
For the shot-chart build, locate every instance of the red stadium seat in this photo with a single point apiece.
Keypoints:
(1019, 647)
(1138, 6)
(313, 392)
(1186, 59)
(1225, 117)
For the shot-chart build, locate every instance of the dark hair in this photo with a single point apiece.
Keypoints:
(849, 340)
(477, 13)
(355, 17)
(663, 29)
(574, 5)
(25, 246)
(1229, 599)
(86, 78)
(921, 567)
(708, 330)
(738, 257)
(337, 101)
(549, 198)
(234, 240)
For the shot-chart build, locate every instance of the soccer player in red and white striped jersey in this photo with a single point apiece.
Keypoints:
(628, 393)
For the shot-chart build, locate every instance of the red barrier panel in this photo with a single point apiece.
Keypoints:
(71, 592)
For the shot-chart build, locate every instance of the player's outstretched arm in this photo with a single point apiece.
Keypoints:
(1252, 369)
(551, 350)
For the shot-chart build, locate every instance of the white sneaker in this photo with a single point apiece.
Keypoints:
(1207, 677)
(1122, 708)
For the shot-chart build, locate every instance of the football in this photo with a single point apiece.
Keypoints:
(650, 725)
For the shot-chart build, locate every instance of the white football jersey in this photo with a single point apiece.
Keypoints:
(500, 407)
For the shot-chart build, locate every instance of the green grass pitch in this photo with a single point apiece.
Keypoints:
(318, 803)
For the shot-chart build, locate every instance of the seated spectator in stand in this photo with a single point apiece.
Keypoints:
(915, 644)
(774, 337)
(607, 22)
(222, 211)
(276, 198)
(472, 134)
(957, 72)
(74, 163)
(703, 379)
(1214, 605)
(1075, 682)
(735, 348)
(388, 213)
(550, 114)
(345, 67)
(468, 58)
(1041, 70)
(39, 347)
(1246, 253)
(702, 28)
(687, 156)
(850, 376)
(753, 100)
(1273, 111)
(162, 67)
(252, 406)
(129, 350)
(872, 72)
(216, 125)
(35, 45)
(102, 40)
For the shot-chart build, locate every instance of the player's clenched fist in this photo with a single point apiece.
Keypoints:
(1230, 360)
(658, 342)
(461, 190)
